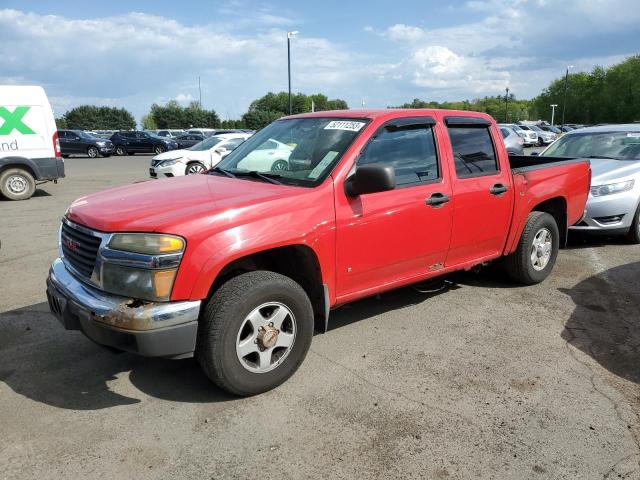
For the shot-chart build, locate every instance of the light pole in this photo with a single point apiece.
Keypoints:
(506, 106)
(289, 36)
(553, 111)
(564, 100)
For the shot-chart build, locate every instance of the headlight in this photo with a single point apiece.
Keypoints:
(610, 188)
(101, 144)
(141, 265)
(168, 163)
(147, 243)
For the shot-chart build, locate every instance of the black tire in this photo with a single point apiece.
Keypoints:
(634, 232)
(225, 314)
(65, 155)
(121, 151)
(280, 165)
(519, 264)
(93, 152)
(17, 184)
(194, 168)
(159, 149)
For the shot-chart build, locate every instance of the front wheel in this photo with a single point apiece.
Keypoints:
(634, 232)
(194, 167)
(92, 152)
(537, 250)
(254, 332)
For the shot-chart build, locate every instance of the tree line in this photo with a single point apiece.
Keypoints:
(610, 95)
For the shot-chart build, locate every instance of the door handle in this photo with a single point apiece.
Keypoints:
(437, 200)
(498, 189)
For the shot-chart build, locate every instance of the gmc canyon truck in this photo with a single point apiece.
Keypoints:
(245, 264)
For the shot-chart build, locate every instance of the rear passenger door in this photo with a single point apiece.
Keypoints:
(482, 191)
(144, 142)
(396, 235)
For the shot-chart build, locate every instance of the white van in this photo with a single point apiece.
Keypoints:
(29, 147)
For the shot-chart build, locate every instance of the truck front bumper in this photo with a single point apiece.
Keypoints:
(161, 329)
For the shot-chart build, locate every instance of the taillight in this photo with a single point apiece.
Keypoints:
(56, 145)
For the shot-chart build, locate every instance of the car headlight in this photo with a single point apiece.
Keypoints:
(610, 188)
(141, 266)
(101, 144)
(168, 163)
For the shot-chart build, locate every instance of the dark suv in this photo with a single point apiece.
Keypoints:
(128, 143)
(79, 142)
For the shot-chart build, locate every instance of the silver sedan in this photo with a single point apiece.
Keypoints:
(614, 150)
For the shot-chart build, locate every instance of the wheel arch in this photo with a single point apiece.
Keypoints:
(557, 208)
(296, 261)
(20, 162)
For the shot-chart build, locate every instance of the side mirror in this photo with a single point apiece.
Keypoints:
(221, 150)
(371, 178)
(534, 154)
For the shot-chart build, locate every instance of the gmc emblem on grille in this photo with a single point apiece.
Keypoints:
(71, 244)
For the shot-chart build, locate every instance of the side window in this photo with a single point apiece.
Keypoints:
(505, 132)
(411, 151)
(473, 151)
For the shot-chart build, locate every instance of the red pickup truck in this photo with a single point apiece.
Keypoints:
(239, 265)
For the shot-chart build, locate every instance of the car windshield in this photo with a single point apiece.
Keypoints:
(206, 144)
(85, 135)
(297, 151)
(618, 145)
(535, 128)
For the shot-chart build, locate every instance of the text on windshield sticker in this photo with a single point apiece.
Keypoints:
(344, 125)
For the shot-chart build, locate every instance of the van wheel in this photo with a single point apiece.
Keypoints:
(254, 332)
(194, 167)
(537, 250)
(17, 184)
(121, 151)
(92, 152)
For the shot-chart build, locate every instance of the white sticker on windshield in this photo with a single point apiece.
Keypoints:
(322, 164)
(345, 125)
(633, 135)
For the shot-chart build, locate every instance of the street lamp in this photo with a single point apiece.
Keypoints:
(564, 100)
(289, 36)
(506, 106)
(553, 111)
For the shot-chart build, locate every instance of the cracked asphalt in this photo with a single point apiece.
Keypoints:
(484, 379)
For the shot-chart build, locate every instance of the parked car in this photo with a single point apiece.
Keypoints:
(128, 143)
(614, 150)
(171, 133)
(550, 128)
(29, 146)
(529, 137)
(188, 140)
(205, 132)
(512, 141)
(270, 155)
(237, 266)
(79, 142)
(544, 137)
(196, 159)
(566, 129)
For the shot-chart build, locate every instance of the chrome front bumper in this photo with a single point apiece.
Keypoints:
(147, 328)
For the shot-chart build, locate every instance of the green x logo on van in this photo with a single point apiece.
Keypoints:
(13, 121)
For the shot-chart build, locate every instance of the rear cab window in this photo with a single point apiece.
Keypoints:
(473, 151)
(409, 147)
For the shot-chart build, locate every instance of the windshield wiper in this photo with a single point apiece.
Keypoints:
(268, 177)
(223, 171)
(603, 157)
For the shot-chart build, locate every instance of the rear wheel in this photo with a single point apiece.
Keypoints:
(194, 167)
(92, 152)
(255, 332)
(121, 151)
(17, 184)
(634, 232)
(280, 165)
(537, 250)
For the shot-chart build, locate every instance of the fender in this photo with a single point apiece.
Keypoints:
(48, 168)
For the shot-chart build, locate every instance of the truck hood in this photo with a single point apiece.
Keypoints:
(607, 171)
(169, 204)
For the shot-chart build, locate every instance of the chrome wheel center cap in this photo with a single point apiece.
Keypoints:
(267, 337)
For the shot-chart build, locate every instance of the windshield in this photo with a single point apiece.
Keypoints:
(618, 145)
(83, 134)
(535, 129)
(299, 151)
(206, 144)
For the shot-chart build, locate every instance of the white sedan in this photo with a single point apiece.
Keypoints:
(197, 159)
(271, 155)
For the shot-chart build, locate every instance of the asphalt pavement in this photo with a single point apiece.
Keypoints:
(484, 379)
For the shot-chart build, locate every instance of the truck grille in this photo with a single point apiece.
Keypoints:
(79, 249)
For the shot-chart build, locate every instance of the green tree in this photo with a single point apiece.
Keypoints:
(91, 117)
(494, 106)
(257, 119)
(61, 123)
(174, 115)
(148, 123)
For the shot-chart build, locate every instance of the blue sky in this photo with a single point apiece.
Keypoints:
(132, 54)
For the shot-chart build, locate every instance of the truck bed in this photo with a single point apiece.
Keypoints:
(525, 163)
